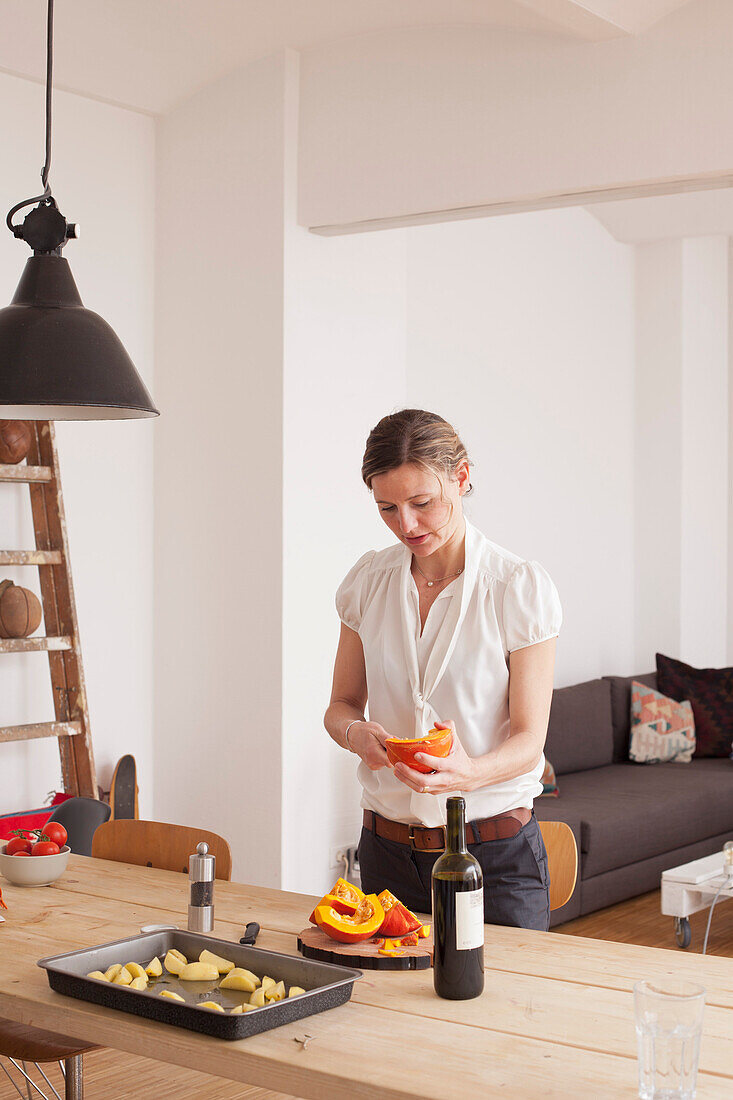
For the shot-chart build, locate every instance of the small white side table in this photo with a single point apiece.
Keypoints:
(689, 888)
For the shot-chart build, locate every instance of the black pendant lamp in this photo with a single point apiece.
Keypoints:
(58, 360)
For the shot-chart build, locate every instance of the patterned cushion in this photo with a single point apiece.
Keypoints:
(661, 729)
(550, 788)
(710, 690)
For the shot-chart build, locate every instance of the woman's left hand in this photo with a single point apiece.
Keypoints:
(455, 772)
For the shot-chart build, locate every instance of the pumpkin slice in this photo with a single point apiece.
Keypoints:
(398, 920)
(351, 928)
(343, 897)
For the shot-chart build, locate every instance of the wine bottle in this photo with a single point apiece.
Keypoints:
(458, 913)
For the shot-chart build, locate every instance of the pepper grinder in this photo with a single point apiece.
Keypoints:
(201, 867)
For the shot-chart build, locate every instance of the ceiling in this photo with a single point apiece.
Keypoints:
(151, 54)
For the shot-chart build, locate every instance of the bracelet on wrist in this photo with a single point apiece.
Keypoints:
(346, 734)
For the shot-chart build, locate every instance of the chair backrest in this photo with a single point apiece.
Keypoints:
(157, 844)
(81, 817)
(562, 860)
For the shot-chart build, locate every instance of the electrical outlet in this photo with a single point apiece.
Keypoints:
(338, 856)
(344, 857)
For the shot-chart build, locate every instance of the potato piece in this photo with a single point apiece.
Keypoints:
(295, 991)
(240, 979)
(275, 992)
(169, 993)
(208, 1004)
(112, 971)
(222, 965)
(242, 1008)
(136, 971)
(198, 972)
(257, 999)
(267, 983)
(99, 975)
(139, 983)
(123, 978)
(174, 961)
(154, 968)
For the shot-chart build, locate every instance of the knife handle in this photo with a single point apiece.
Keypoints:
(251, 933)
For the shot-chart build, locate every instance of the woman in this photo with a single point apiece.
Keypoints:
(448, 630)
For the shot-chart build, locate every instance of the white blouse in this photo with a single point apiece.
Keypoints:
(458, 670)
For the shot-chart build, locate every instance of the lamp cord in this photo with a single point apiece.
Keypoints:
(47, 195)
(710, 916)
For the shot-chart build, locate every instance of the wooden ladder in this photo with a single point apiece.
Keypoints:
(51, 556)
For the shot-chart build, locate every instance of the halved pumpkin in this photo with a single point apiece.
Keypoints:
(343, 897)
(403, 749)
(351, 927)
(398, 920)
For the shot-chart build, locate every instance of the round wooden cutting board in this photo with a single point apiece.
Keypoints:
(315, 944)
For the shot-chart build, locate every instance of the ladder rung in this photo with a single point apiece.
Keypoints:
(39, 729)
(30, 557)
(34, 645)
(25, 473)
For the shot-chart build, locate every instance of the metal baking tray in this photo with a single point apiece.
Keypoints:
(326, 985)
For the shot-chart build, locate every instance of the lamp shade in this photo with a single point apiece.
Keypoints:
(60, 361)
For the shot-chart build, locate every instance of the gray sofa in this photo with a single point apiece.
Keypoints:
(631, 821)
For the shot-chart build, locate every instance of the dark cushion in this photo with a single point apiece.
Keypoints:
(710, 690)
(621, 710)
(628, 813)
(580, 734)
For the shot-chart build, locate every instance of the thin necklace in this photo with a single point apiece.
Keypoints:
(438, 580)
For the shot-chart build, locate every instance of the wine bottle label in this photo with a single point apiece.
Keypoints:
(469, 920)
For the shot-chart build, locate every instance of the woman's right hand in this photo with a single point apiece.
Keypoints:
(367, 740)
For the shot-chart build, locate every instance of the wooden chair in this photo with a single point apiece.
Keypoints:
(562, 860)
(21, 1044)
(156, 844)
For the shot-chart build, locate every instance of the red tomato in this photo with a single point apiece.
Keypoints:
(45, 848)
(22, 853)
(18, 845)
(55, 831)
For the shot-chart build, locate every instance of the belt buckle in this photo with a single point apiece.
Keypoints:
(411, 837)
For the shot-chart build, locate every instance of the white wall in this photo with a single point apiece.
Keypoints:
(729, 601)
(682, 442)
(435, 118)
(704, 445)
(218, 530)
(344, 369)
(520, 332)
(657, 450)
(102, 175)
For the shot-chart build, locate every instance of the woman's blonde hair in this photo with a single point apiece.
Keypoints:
(413, 436)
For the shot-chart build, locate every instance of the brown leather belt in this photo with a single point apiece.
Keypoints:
(424, 839)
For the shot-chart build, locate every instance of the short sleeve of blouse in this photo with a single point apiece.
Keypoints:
(351, 592)
(532, 611)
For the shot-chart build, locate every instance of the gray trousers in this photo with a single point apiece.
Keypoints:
(516, 880)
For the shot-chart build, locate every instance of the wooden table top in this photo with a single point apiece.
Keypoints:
(555, 1019)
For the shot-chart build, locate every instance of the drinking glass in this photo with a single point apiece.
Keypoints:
(668, 1030)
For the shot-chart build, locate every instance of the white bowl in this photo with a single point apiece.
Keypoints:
(33, 870)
